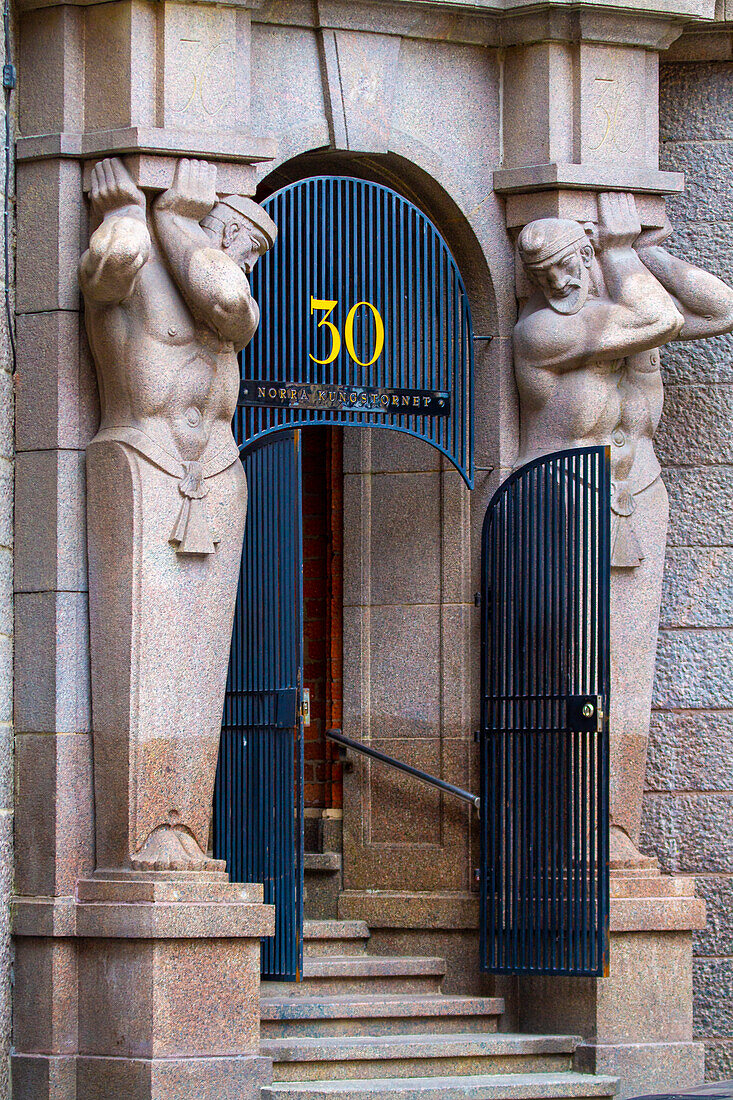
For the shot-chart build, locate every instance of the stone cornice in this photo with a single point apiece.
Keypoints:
(479, 22)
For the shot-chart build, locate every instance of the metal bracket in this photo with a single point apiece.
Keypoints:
(585, 713)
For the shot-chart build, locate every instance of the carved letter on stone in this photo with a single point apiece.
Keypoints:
(168, 306)
(588, 372)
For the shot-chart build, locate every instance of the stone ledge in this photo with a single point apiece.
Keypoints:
(644, 914)
(214, 919)
(598, 177)
(383, 909)
(224, 145)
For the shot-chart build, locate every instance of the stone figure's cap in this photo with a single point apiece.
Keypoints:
(546, 238)
(254, 213)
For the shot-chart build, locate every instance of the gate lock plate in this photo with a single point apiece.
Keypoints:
(585, 713)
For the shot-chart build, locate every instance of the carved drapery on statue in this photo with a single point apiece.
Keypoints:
(168, 307)
(607, 296)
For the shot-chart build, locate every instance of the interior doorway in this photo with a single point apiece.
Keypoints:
(323, 581)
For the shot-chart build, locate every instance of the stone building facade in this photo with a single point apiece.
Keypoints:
(509, 132)
(688, 803)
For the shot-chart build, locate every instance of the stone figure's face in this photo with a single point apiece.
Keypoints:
(244, 243)
(565, 279)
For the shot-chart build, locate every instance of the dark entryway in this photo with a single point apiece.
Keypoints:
(323, 518)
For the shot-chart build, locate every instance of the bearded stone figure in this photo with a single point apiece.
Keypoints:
(168, 306)
(587, 367)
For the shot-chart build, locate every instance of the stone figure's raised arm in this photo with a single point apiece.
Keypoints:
(215, 288)
(705, 301)
(120, 246)
(634, 315)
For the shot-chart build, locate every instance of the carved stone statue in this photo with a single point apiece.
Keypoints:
(168, 306)
(588, 372)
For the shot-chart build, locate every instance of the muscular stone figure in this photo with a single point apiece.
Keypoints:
(168, 306)
(588, 372)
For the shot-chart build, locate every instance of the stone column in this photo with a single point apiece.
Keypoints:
(144, 984)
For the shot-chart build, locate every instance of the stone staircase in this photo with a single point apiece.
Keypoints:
(369, 1027)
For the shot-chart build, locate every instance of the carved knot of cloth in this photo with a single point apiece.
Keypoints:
(626, 551)
(192, 532)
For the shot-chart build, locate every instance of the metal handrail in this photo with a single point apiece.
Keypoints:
(433, 781)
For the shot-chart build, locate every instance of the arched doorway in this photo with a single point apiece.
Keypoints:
(366, 322)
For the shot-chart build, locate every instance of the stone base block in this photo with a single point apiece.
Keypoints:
(636, 1023)
(172, 1078)
(43, 1077)
(144, 986)
(662, 1067)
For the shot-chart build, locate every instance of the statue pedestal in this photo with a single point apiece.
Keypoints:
(152, 992)
(636, 1024)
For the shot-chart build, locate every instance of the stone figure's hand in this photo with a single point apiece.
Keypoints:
(193, 192)
(113, 188)
(650, 238)
(618, 221)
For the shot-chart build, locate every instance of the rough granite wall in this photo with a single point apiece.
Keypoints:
(689, 802)
(7, 451)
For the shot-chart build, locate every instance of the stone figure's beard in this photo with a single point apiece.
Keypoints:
(570, 303)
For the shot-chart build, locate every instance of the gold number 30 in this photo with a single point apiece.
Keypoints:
(329, 306)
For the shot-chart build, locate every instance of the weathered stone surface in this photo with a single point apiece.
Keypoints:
(50, 547)
(708, 168)
(690, 833)
(706, 244)
(712, 1002)
(700, 505)
(6, 881)
(405, 556)
(7, 438)
(701, 362)
(697, 426)
(6, 504)
(49, 226)
(693, 669)
(695, 101)
(57, 403)
(716, 938)
(698, 587)
(718, 1060)
(54, 844)
(690, 751)
(6, 590)
(52, 690)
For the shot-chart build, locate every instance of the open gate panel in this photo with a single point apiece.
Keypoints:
(544, 718)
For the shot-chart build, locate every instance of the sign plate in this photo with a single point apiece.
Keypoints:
(300, 395)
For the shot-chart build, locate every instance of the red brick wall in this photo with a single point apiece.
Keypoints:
(322, 609)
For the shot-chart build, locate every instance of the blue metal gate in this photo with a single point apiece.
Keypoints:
(258, 800)
(365, 321)
(545, 675)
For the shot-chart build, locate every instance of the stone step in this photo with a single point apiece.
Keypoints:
(321, 863)
(335, 937)
(322, 872)
(498, 1086)
(357, 1057)
(379, 1015)
(328, 974)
